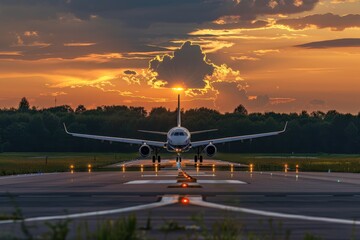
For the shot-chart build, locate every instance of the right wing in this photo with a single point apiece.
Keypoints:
(236, 138)
(117, 139)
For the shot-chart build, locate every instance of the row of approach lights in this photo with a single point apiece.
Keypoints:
(286, 168)
(251, 168)
(185, 200)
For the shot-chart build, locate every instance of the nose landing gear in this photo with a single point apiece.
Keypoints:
(198, 157)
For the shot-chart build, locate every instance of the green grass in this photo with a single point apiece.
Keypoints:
(306, 162)
(23, 163)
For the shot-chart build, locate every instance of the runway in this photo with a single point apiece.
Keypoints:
(324, 204)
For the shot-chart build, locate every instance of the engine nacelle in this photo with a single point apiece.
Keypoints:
(145, 150)
(210, 150)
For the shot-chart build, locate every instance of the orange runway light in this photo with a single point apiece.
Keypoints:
(89, 165)
(72, 166)
(184, 201)
(286, 168)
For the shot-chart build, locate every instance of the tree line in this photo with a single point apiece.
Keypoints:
(27, 129)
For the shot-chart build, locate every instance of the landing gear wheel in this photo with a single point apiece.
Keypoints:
(159, 159)
(179, 159)
(201, 159)
(153, 159)
(195, 159)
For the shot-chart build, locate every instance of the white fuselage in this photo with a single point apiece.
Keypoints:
(178, 140)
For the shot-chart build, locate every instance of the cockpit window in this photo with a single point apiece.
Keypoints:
(179, 134)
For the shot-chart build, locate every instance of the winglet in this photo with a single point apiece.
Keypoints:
(285, 127)
(65, 129)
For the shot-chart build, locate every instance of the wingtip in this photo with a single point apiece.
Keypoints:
(65, 128)
(285, 126)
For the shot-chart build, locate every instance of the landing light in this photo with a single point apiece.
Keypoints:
(184, 185)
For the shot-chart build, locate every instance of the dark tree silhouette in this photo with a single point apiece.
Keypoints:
(80, 109)
(241, 110)
(41, 129)
(24, 105)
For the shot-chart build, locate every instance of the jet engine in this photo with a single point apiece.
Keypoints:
(145, 150)
(210, 150)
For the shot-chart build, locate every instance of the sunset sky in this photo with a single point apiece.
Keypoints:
(269, 55)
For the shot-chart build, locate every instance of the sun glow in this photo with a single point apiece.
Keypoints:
(178, 89)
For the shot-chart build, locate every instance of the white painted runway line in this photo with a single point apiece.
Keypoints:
(198, 201)
(174, 181)
(165, 200)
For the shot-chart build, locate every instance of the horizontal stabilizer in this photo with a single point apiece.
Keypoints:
(153, 132)
(203, 131)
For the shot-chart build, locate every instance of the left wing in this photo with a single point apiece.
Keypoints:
(117, 139)
(236, 138)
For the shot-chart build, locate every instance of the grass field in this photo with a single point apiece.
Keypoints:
(305, 162)
(22, 163)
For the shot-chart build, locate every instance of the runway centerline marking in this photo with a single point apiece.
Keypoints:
(174, 181)
(165, 200)
(198, 201)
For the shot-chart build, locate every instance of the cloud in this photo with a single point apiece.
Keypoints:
(329, 20)
(344, 42)
(145, 12)
(84, 44)
(187, 67)
(244, 58)
(130, 72)
(266, 51)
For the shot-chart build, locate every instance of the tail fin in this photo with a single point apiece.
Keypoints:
(179, 113)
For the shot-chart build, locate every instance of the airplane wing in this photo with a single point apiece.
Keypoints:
(236, 138)
(117, 139)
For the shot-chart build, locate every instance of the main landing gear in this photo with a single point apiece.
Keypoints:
(178, 159)
(198, 158)
(156, 157)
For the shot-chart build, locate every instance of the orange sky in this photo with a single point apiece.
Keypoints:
(261, 55)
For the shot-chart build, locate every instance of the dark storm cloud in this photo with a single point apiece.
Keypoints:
(146, 12)
(345, 42)
(329, 20)
(121, 26)
(187, 66)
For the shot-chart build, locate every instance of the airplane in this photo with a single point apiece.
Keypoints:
(178, 140)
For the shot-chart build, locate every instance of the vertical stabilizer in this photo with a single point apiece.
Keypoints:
(179, 113)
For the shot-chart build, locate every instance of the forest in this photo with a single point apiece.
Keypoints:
(27, 129)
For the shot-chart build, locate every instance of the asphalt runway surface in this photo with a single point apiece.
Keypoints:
(323, 204)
